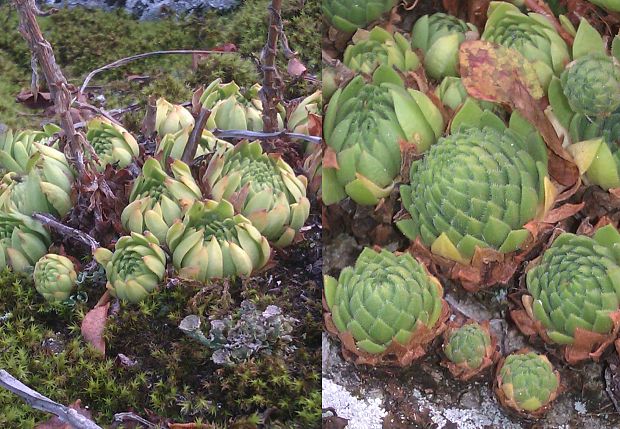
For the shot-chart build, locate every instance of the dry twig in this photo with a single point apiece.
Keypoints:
(43, 56)
(189, 153)
(127, 60)
(42, 403)
(50, 222)
(272, 82)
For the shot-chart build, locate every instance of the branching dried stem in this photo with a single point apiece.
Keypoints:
(127, 417)
(42, 403)
(49, 221)
(189, 153)
(127, 60)
(271, 92)
(257, 135)
(58, 86)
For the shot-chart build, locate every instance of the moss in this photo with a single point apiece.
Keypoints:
(247, 26)
(41, 347)
(168, 373)
(11, 114)
(227, 67)
(86, 39)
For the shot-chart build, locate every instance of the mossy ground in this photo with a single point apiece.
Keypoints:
(84, 40)
(170, 375)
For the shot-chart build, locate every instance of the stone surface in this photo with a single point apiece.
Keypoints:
(148, 9)
(425, 395)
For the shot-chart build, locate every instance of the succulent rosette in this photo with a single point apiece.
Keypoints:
(591, 85)
(349, 15)
(613, 5)
(17, 148)
(527, 383)
(23, 241)
(157, 200)
(43, 185)
(112, 143)
(234, 109)
(531, 34)
(171, 118)
(135, 268)
(54, 277)
(370, 49)
(263, 188)
(470, 349)
(573, 297)
(365, 125)
(585, 100)
(439, 36)
(452, 93)
(478, 188)
(213, 242)
(386, 309)
(298, 120)
(173, 145)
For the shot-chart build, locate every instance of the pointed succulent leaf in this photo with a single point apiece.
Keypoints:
(349, 15)
(384, 298)
(477, 187)
(575, 285)
(54, 277)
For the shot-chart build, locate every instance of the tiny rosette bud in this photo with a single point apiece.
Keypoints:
(386, 305)
(54, 277)
(527, 383)
(135, 268)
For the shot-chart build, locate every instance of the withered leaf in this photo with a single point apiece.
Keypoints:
(499, 74)
(93, 326)
(296, 68)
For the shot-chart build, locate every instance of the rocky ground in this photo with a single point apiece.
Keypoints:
(148, 9)
(425, 396)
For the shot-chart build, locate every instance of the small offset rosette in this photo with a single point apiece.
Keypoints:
(526, 383)
(470, 348)
(385, 310)
(573, 294)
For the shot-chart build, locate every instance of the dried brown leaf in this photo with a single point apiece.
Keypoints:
(502, 75)
(296, 68)
(93, 327)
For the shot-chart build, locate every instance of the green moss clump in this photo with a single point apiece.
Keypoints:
(86, 39)
(12, 79)
(228, 67)
(42, 347)
(246, 27)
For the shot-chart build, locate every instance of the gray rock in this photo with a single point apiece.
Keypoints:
(147, 9)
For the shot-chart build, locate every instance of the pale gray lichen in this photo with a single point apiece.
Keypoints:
(234, 339)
